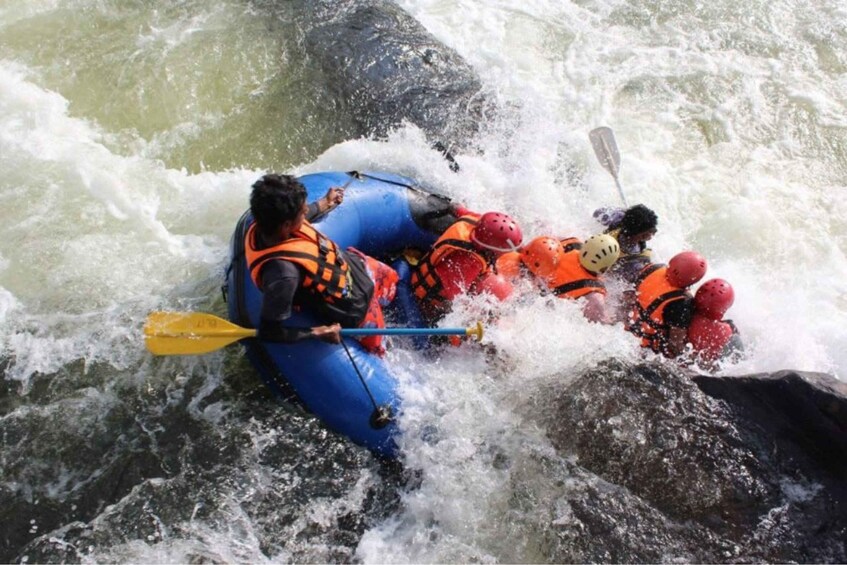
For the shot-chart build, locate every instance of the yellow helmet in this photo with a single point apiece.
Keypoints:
(542, 255)
(599, 252)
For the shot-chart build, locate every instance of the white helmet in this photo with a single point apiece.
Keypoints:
(599, 252)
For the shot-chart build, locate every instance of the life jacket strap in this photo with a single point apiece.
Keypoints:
(577, 285)
(670, 296)
(647, 272)
(425, 283)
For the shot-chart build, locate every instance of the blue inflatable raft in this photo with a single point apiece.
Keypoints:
(353, 394)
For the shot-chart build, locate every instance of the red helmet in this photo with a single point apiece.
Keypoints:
(686, 268)
(714, 298)
(542, 255)
(497, 232)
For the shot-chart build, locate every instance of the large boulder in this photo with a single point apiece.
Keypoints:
(384, 68)
(805, 414)
(758, 462)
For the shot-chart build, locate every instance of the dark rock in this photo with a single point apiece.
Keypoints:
(580, 518)
(805, 413)
(271, 462)
(385, 68)
(752, 477)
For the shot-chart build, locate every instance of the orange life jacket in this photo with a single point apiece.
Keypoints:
(509, 265)
(653, 294)
(327, 272)
(425, 282)
(571, 280)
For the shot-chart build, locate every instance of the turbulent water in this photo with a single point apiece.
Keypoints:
(130, 133)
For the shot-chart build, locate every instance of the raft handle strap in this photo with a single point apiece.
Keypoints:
(382, 415)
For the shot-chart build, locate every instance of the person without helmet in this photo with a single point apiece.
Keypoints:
(711, 337)
(570, 269)
(663, 305)
(295, 265)
(633, 227)
(461, 260)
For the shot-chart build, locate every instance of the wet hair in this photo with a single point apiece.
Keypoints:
(638, 219)
(276, 199)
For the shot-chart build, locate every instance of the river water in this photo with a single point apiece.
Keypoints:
(130, 133)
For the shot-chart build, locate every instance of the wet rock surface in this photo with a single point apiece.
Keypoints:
(384, 68)
(743, 466)
(805, 413)
(170, 461)
(267, 474)
(581, 518)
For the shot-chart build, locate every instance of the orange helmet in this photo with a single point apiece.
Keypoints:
(497, 232)
(686, 268)
(542, 255)
(509, 264)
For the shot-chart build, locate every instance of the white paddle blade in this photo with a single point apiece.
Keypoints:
(606, 149)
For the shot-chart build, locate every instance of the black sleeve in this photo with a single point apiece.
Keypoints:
(679, 313)
(275, 331)
(313, 212)
(280, 281)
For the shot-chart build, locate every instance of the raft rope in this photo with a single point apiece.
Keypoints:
(381, 415)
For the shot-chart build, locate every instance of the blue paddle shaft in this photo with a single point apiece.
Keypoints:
(403, 331)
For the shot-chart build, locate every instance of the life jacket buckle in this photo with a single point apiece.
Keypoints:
(323, 246)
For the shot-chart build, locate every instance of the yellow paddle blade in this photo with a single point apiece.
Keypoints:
(190, 333)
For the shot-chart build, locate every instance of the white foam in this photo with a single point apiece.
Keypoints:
(90, 233)
(7, 304)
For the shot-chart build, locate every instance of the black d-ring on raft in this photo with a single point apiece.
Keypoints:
(382, 416)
